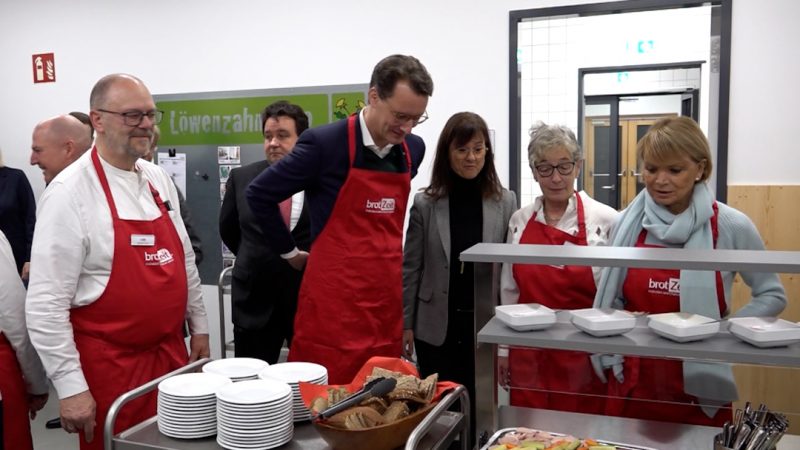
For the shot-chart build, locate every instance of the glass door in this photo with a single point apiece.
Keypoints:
(601, 171)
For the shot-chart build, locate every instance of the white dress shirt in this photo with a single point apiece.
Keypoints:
(71, 256)
(366, 138)
(297, 208)
(599, 219)
(12, 321)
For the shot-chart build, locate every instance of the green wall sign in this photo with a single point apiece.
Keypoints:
(237, 121)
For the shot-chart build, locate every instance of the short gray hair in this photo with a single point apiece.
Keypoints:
(544, 137)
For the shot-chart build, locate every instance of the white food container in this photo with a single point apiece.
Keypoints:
(526, 316)
(765, 331)
(603, 322)
(683, 327)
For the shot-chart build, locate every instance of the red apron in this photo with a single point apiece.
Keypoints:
(16, 425)
(647, 290)
(555, 379)
(350, 305)
(133, 333)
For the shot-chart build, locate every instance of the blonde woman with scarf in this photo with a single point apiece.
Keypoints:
(677, 210)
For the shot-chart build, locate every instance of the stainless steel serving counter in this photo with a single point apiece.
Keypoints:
(722, 347)
(641, 341)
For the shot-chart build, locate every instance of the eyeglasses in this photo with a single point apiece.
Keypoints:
(463, 152)
(546, 170)
(134, 118)
(405, 118)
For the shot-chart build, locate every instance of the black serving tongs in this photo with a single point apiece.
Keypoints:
(375, 388)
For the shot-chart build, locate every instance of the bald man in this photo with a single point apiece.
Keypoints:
(113, 273)
(87, 124)
(56, 143)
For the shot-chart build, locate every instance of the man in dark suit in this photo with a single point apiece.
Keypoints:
(356, 175)
(265, 286)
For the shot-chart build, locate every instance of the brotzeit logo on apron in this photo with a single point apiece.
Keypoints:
(671, 286)
(159, 258)
(382, 206)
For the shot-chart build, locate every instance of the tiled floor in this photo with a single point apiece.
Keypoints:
(44, 439)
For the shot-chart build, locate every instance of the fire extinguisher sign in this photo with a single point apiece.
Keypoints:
(44, 68)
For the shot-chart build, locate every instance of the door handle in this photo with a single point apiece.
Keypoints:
(610, 187)
(601, 174)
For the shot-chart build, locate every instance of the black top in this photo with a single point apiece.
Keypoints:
(466, 230)
(17, 213)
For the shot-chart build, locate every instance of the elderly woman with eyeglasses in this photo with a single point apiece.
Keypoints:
(553, 379)
(677, 210)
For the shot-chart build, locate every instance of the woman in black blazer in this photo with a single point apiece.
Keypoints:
(17, 214)
(464, 205)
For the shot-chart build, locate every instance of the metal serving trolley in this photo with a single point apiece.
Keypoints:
(437, 431)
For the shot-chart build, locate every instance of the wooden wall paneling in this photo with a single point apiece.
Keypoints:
(775, 210)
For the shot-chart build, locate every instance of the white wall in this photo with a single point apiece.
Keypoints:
(208, 45)
(765, 93)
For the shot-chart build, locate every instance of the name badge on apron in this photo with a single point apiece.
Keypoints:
(143, 240)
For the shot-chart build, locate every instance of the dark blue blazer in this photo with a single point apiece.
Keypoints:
(318, 165)
(17, 213)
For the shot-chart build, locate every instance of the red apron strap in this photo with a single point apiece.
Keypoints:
(101, 174)
(351, 142)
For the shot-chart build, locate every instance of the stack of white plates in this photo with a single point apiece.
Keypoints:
(254, 414)
(293, 373)
(187, 405)
(237, 369)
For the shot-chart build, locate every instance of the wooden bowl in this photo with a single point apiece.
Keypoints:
(382, 437)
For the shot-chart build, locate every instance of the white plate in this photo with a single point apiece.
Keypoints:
(254, 391)
(179, 434)
(765, 331)
(265, 431)
(603, 322)
(238, 369)
(225, 443)
(264, 442)
(175, 417)
(193, 384)
(279, 404)
(186, 429)
(247, 421)
(526, 316)
(294, 372)
(683, 327)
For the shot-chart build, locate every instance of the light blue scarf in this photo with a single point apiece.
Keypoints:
(698, 292)
(689, 229)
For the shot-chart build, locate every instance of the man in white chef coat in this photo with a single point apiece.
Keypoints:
(113, 273)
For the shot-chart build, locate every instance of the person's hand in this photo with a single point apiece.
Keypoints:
(78, 413)
(408, 344)
(36, 402)
(503, 375)
(298, 262)
(199, 347)
(26, 271)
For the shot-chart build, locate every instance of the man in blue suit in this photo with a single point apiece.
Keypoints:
(356, 176)
(264, 285)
